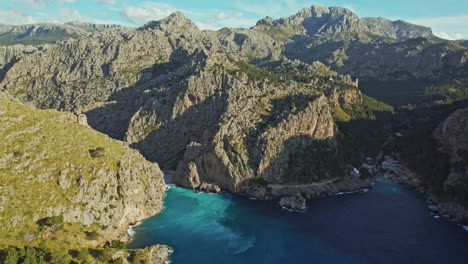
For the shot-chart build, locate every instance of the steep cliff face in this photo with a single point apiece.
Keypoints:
(8, 54)
(51, 165)
(221, 126)
(451, 136)
(248, 147)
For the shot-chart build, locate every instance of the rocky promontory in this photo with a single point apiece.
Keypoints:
(58, 175)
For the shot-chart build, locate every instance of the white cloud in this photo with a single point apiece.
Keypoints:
(69, 14)
(270, 8)
(447, 27)
(15, 17)
(221, 15)
(35, 4)
(106, 2)
(443, 20)
(61, 2)
(146, 12)
(227, 19)
(450, 36)
(204, 26)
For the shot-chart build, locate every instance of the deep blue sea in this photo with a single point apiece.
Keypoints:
(388, 224)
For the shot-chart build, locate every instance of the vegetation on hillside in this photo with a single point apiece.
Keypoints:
(278, 33)
(364, 128)
(37, 148)
(419, 150)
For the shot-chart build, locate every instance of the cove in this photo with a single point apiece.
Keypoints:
(388, 224)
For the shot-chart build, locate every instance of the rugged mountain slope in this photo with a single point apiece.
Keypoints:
(172, 91)
(186, 99)
(9, 54)
(329, 22)
(50, 165)
(367, 48)
(37, 34)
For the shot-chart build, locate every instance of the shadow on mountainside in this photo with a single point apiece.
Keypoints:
(113, 117)
(305, 160)
(282, 108)
(199, 123)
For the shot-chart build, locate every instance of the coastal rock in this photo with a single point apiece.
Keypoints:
(209, 188)
(297, 203)
(159, 254)
(255, 192)
(433, 208)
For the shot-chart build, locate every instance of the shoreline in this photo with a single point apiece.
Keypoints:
(429, 200)
(394, 171)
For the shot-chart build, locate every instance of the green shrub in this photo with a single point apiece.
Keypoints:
(60, 258)
(119, 261)
(138, 257)
(12, 256)
(105, 255)
(99, 152)
(32, 256)
(118, 244)
(54, 221)
(83, 255)
(93, 235)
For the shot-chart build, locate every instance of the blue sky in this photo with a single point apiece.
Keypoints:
(448, 18)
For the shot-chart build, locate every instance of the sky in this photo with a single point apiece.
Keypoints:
(447, 18)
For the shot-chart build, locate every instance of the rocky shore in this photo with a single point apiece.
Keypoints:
(392, 169)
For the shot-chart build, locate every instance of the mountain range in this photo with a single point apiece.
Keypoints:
(293, 107)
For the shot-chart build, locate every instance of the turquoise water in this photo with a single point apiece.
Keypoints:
(389, 224)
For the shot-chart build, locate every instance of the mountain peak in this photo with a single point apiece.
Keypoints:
(318, 20)
(174, 21)
(313, 10)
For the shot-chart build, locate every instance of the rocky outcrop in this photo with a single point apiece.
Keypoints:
(296, 203)
(10, 54)
(52, 166)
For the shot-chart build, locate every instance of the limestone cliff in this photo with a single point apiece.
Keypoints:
(50, 165)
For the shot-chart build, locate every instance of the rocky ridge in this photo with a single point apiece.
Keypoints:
(318, 20)
(85, 177)
(366, 48)
(38, 34)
